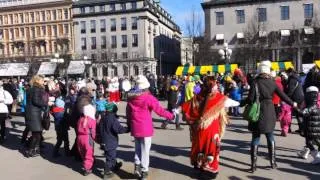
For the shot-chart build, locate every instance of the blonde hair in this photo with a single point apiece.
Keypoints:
(36, 80)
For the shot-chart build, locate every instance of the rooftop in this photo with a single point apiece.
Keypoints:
(9, 3)
(210, 3)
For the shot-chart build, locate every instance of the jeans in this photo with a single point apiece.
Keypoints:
(142, 152)
(256, 138)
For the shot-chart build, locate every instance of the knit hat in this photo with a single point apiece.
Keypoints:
(142, 82)
(89, 111)
(264, 67)
(312, 89)
(174, 83)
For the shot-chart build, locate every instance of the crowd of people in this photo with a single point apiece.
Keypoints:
(206, 102)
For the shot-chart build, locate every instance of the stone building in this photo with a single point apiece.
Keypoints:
(126, 37)
(35, 30)
(266, 29)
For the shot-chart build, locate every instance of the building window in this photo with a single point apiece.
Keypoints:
(241, 18)
(66, 29)
(134, 23)
(93, 43)
(43, 15)
(114, 56)
(124, 41)
(113, 41)
(102, 25)
(32, 17)
(123, 6)
(82, 10)
(112, 7)
(102, 8)
(135, 40)
(133, 5)
(125, 55)
(103, 42)
(55, 32)
(285, 13)
(44, 30)
(91, 9)
(83, 27)
(113, 25)
(219, 18)
(93, 26)
(93, 57)
(104, 56)
(21, 18)
(66, 14)
(83, 43)
(123, 24)
(308, 11)
(33, 32)
(125, 70)
(136, 70)
(262, 14)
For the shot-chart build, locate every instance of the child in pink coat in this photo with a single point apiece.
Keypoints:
(285, 118)
(86, 136)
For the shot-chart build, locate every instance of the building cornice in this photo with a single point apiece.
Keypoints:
(30, 7)
(226, 3)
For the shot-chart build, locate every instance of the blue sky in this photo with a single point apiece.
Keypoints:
(181, 10)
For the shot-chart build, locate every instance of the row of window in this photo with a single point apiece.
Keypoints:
(262, 14)
(125, 69)
(104, 56)
(124, 40)
(112, 7)
(38, 16)
(113, 25)
(40, 31)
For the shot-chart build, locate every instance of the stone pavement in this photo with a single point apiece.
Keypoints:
(169, 157)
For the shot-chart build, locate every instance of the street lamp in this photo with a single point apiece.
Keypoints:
(86, 63)
(225, 53)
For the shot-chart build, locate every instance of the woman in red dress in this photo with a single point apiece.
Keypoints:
(207, 117)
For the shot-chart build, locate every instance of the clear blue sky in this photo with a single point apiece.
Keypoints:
(181, 10)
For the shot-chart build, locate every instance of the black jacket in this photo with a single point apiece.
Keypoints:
(312, 122)
(312, 79)
(267, 87)
(173, 99)
(112, 128)
(37, 102)
(294, 89)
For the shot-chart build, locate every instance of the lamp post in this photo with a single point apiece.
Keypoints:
(160, 66)
(57, 60)
(86, 63)
(225, 53)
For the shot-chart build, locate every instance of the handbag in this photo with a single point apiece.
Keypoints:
(46, 120)
(252, 111)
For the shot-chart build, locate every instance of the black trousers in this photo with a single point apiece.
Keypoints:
(3, 117)
(35, 140)
(62, 137)
(111, 159)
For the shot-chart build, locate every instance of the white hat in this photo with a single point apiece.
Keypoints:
(89, 111)
(312, 89)
(142, 82)
(264, 67)
(284, 75)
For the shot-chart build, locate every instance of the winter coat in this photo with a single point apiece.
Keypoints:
(189, 91)
(12, 89)
(5, 99)
(101, 105)
(311, 117)
(139, 113)
(267, 87)
(312, 78)
(37, 102)
(276, 99)
(86, 127)
(294, 89)
(286, 113)
(235, 94)
(112, 128)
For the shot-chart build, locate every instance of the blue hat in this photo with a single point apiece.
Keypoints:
(174, 83)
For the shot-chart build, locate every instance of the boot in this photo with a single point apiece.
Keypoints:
(304, 153)
(137, 170)
(144, 175)
(254, 157)
(272, 155)
(108, 174)
(31, 153)
(178, 127)
(117, 166)
(164, 125)
(316, 157)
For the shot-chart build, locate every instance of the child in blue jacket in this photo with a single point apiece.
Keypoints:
(112, 128)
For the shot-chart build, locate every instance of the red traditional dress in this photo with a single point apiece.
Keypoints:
(208, 119)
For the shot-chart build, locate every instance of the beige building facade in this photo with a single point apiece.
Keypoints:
(266, 29)
(35, 30)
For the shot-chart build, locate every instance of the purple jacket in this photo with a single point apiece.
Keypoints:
(139, 113)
